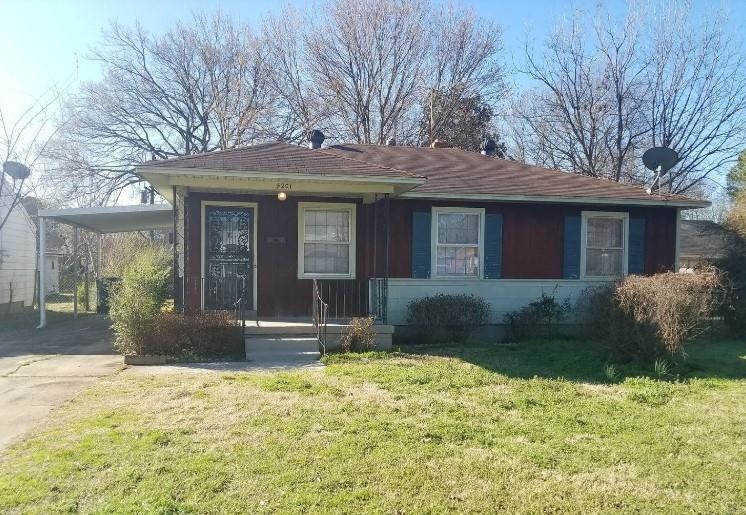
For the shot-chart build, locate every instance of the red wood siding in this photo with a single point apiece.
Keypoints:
(533, 237)
(279, 291)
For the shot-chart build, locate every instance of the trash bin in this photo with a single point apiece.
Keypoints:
(103, 287)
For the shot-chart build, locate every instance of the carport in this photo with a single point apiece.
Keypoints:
(99, 220)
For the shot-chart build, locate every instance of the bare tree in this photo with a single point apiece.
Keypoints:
(368, 60)
(465, 63)
(697, 84)
(195, 89)
(362, 70)
(657, 81)
(24, 140)
(300, 107)
(585, 115)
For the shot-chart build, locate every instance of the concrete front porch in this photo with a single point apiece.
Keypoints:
(297, 337)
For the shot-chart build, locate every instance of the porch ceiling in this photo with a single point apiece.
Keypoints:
(115, 218)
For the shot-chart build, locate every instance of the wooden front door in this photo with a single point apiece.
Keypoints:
(229, 257)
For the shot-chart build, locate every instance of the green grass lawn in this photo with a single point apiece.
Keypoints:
(528, 428)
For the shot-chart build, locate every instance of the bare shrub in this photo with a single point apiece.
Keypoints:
(645, 317)
(675, 306)
(359, 336)
(209, 334)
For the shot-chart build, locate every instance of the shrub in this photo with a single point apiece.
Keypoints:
(360, 336)
(443, 318)
(137, 300)
(210, 334)
(537, 319)
(647, 317)
(732, 264)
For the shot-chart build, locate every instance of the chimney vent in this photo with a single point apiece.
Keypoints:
(488, 147)
(391, 142)
(315, 138)
(439, 144)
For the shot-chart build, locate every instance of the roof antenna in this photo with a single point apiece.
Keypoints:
(659, 160)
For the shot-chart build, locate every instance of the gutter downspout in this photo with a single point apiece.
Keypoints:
(42, 274)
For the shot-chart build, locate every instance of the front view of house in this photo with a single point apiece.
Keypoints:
(374, 227)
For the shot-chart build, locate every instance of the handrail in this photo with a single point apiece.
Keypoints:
(239, 308)
(319, 314)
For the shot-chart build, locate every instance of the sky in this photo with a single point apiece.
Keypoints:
(44, 43)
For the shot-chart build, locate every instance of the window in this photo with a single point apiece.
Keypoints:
(457, 238)
(605, 250)
(326, 237)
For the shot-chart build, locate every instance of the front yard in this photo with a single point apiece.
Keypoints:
(527, 428)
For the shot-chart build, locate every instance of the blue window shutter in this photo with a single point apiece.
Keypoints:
(571, 264)
(421, 232)
(493, 245)
(636, 252)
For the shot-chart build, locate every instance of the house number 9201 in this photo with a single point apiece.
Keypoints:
(283, 186)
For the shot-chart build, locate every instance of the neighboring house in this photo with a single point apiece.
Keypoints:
(17, 258)
(378, 226)
(701, 242)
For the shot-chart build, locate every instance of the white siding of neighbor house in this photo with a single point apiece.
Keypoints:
(17, 255)
(504, 295)
(52, 273)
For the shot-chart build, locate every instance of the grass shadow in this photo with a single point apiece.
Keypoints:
(583, 361)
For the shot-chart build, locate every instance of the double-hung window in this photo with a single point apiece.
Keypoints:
(326, 240)
(605, 237)
(457, 242)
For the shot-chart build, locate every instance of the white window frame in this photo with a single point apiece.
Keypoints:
(320, 206)
(615, 215)
(434, 241)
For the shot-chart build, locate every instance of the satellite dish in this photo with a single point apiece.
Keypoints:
(660, 159)
(16, 170)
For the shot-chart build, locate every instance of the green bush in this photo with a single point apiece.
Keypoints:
(447, 317)
(359, 336)
(138, 299)
(645, 318)
(538, 319)
(733, 264)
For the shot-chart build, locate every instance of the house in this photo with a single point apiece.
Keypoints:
(374, 227)
(701, 242)
(17, 257)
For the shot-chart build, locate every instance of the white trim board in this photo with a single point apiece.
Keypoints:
(352, 208)
(622, 202)
(252, 205)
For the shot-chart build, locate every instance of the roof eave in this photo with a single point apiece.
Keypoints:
(654, 201)
(265, 174)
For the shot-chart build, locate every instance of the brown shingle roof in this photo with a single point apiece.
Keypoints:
(440, 171)
(281, 158)
(456, 172)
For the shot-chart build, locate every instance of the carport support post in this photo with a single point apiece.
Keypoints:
(75, 272)
(42, 273)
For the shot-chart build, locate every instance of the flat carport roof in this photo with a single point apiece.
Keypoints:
(113, 219)
(101, 220)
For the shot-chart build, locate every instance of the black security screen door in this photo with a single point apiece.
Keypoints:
(229, 257)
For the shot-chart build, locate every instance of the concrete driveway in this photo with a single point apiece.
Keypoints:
(42, 369)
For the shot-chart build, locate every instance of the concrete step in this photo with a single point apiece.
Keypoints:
(288, 348)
